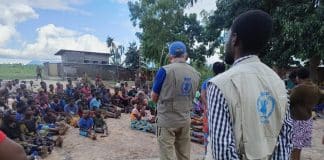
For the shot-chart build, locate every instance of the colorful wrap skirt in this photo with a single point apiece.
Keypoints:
(302, 133)
(142, 125)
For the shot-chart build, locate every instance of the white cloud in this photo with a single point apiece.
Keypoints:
(13, 13)
(88, 29)
(50, 39)
(8, 52)
(59, 5)
(6, 33)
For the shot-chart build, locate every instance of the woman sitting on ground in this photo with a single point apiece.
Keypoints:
(140, 99)
(125, 101)
(138, 120)
(86, 125)
(86, 91)
(115, 99)
(100, 125)
(71, 113)
(59, 88)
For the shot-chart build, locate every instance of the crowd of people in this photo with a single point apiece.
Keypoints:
(36, 116)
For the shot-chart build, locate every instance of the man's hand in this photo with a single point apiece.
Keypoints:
(155, 97)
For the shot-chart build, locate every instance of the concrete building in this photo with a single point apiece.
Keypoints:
(76, 63)
(83, 57)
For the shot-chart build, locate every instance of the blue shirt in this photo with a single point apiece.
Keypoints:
(85, 123)
(95, 104)
(71, 109)
(56, 107)
(204, 84)
(158, 81)
(62, 102)
(69, 92)
(19, 116)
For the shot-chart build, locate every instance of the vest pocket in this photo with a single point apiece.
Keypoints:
(165, 106)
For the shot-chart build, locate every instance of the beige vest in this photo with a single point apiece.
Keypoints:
(257, 101)
(176, 96)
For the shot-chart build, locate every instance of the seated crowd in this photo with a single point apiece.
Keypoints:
(36, 116)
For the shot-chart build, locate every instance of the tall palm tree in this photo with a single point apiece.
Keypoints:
(114, 51)
(111, 45)
(121, 50)
(110, 42)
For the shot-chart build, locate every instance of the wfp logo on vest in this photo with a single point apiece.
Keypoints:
(186, 86)
(265, 106)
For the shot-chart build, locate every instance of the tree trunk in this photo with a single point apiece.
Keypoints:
(314, 62)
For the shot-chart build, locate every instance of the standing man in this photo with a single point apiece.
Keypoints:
(174, 89)
(38, 73)
(218, 68)
(303, 98)
(248, 112)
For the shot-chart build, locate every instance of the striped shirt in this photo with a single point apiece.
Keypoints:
(221, 129)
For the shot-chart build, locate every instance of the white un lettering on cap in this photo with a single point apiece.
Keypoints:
(179, 50)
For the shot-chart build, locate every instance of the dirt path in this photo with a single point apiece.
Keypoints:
(122, 143)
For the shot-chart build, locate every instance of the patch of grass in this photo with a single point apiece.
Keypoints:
(17, 71)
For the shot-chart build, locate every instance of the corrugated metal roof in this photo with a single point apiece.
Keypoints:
(65, 51)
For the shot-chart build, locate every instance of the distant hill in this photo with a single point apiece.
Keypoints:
(35, 62)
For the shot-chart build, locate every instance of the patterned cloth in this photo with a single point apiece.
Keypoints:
(302, 133)
(142, 126)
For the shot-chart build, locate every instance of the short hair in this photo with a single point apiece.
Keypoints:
(303, 73)
(253, 29)
(218, 67)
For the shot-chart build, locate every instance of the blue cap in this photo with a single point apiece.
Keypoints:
(177, 48)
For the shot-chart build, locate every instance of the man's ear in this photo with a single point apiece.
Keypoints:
(170, 58)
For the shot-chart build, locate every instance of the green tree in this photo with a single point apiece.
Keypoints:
(298, 29)
(133, 59)
(164, 21)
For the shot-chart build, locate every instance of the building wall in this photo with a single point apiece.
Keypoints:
(107, 72)
(80, 57)
(53, 69)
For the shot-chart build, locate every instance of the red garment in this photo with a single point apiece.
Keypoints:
(86, 91)
(43, 97)
(2, 136)
(59, 90)
(205, 120)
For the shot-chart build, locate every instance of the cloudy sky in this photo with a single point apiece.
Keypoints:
(36, 29)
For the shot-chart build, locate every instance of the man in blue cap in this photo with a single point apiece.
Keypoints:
(174, 89)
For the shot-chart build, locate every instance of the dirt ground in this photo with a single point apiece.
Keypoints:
(124, 143)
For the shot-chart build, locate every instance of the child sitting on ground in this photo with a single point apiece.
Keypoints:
(100, 125)
(86, 126)
(138, 121)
